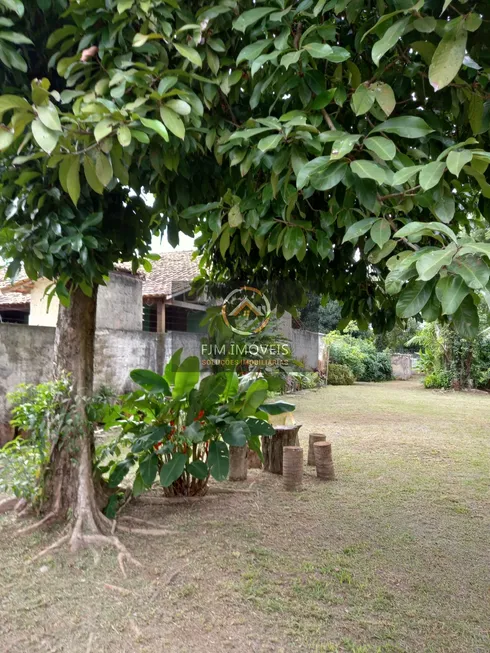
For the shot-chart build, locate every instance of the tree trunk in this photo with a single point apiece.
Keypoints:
(238, 463)
(70, 465)
(272, 446)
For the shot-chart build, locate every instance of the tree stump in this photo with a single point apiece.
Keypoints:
(314, 437)
(323, 461)
(238, 463)
(254, 461)
(272, 446)
(292, 467)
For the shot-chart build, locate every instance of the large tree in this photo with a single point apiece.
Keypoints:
(336, 147)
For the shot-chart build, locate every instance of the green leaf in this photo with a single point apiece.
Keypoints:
(277, 408)
(198, 469)
(103, 168)
(156, 126)
(368, 170)
(362, 100)
(451, 291)
(385, 97)
(6, 138)
(380, 232)
(431, 174)
(343, 146)
(236, 434)
(415, 228)
(251, 17)
(47, 139)
(405, 126)
(189, 53)
(474, 271)
(405, 174)
(172, 122)
(382, 147)
(103, 129)
(293, 242)
(358, 229)
(319, 50)
(8, 102)
(259, 427)
(312, 167)
(426, 25)
(91, 175)
(148, 468)
(290, 58)
(186, 377)
(172, 470)
(413, 298)
(390, 39)
(179, 106)
(119, 471)
(448, 58)
(466, 320)
(218, 460)
(457, 159)
(246, 134)
(48, 115)
(428, 265)
(73, 178)
(150, 381)
(269, 142)
(235, 217)
(331, 177)
(378, 255)
(252, 51)
(149, 438)
(124, 136)
(172, 366)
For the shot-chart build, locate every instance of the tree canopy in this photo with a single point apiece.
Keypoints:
(337, 147)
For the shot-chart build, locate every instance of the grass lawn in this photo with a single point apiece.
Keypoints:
(393, 556)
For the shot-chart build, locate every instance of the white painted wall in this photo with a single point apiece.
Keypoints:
(119, 304)
(39, 314)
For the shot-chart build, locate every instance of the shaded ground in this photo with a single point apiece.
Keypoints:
(393, 556)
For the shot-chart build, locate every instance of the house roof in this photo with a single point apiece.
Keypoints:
(171, 275)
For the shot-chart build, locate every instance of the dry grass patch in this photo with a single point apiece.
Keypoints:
(392, 557)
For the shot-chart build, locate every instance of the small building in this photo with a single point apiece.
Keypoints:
(158, 301)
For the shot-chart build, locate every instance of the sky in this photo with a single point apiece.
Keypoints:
(159, 245)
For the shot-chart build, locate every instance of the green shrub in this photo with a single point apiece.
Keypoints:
(40, 413)
(340, 375)
(360, 356)
(440, 379)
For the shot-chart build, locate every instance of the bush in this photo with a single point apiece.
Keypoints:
(340, 375)
(360, 356)
(440, 379)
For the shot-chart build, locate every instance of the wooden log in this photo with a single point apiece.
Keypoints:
(314, 437)
(254, 461)
(238, 463)
(292, 468)
(272, 446)
(323, 461)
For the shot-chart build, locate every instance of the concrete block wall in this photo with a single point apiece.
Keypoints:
(26, 356)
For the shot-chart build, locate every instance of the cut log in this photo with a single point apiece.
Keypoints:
(238, 463)
(293, 468)
(314, 437)
(323, 461)
(254, 461)
(272, 446)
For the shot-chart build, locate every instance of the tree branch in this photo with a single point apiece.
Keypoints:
(407, 193)
(328, 120)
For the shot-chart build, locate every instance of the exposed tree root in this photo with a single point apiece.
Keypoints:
(49, 519)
